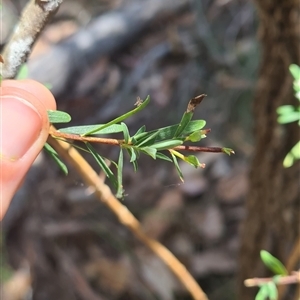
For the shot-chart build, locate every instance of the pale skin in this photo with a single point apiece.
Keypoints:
(24, 128)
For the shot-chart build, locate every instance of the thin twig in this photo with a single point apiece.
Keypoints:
(125, 217)
(34, 18)
(91, 139)
(199, 149)
(290, 279)
(115, 142)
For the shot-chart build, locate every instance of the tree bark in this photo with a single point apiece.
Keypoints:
(272, 221)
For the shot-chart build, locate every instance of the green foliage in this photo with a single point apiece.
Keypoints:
(289, 114)
(57, 116)
(56, 158)
(269, 290)
(273, 263)
(152, 143)
(140, 105)
(81, 130)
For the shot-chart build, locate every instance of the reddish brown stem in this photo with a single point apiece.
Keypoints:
(290, 279)
(199, 149)
(76, 137)
(115, 142)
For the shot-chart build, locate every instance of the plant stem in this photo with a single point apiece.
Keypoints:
(115, 142)
(293, 278)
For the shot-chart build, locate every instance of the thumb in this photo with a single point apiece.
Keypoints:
(24, 127)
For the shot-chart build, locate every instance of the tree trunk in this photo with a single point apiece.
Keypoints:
(272, 220)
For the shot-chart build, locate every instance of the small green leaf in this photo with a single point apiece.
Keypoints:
(193, 160)
(163, 156)
(228, 151)
(23, 72)
(273, 263)
(135, 165)
(132, 154)
(195, 137)
(168, 132)
(292, 156)
(149, 140)
(285, 109)
(138, 138)
(125, 132)
(141, 130)
(177, 166)
(133, 158)
(165, 145)
(101, 162)
(186, 118)
(120, 190)
(56, 158)
(123, 117)
(263, 293)
(82, 130)
(57, 116)
(295, 71)
(150, 151)
(273, 292)
(289, 117)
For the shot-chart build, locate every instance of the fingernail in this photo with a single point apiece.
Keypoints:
(20, 125)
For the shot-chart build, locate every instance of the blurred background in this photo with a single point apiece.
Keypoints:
(59, 241)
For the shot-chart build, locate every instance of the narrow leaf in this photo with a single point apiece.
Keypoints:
(228, 151)
(273, 263)
(292, 156)
(101, 162)
(135, 165)
(169, 144)
(120, 190)
(285, 109)
(133, 157)
(289, 117)
(132, 154)
(125, 132)
(82, 130)
(149, 140)
(57, 116)
(186, 118)
(195, 136)
(193, 160)
(177, 166)
(141, 130)
(167, 133)
(163, 156)
(150, 151)
(295, 71)
(138, 138)
(56, 158)
(263, 293)
(273, 293)
(141, 106)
